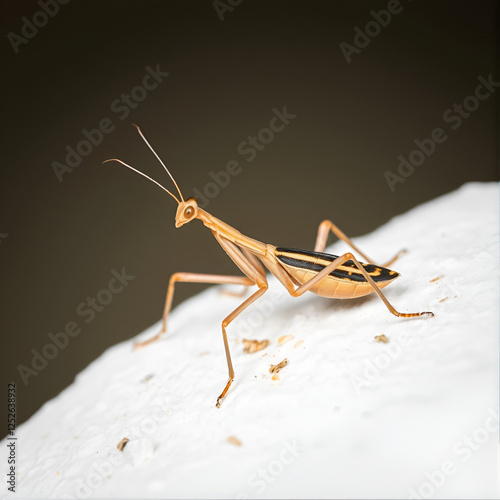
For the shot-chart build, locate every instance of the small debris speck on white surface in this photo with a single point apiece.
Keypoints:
(122, 444)
(278, 367)
(252, 346)
(352, 418)
(234, 440)
(284, 339)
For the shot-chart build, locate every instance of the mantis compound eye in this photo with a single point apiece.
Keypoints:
(189, 212)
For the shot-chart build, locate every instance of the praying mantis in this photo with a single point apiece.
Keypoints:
(299, 271)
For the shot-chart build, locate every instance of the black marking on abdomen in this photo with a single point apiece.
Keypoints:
(307, 259)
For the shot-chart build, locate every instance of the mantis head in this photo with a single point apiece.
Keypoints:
(187, 210)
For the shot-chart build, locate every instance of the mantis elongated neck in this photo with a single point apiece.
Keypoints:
(230, 233)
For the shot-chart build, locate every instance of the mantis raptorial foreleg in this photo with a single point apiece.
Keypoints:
(326, 226)
(258, 266)
(254, 272)
(255, 275)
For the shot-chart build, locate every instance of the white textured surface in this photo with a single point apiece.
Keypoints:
(315, 432)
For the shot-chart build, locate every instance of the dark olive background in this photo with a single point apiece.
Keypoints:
(353, 120)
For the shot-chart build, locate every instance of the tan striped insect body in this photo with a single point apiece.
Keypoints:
(344, 282)
(338, 277)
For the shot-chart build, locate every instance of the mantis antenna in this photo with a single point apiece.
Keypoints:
(144, 175)
(159, 159)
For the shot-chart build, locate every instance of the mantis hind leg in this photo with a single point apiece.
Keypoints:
(337, 263)
(324, 229)
(284, 277)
